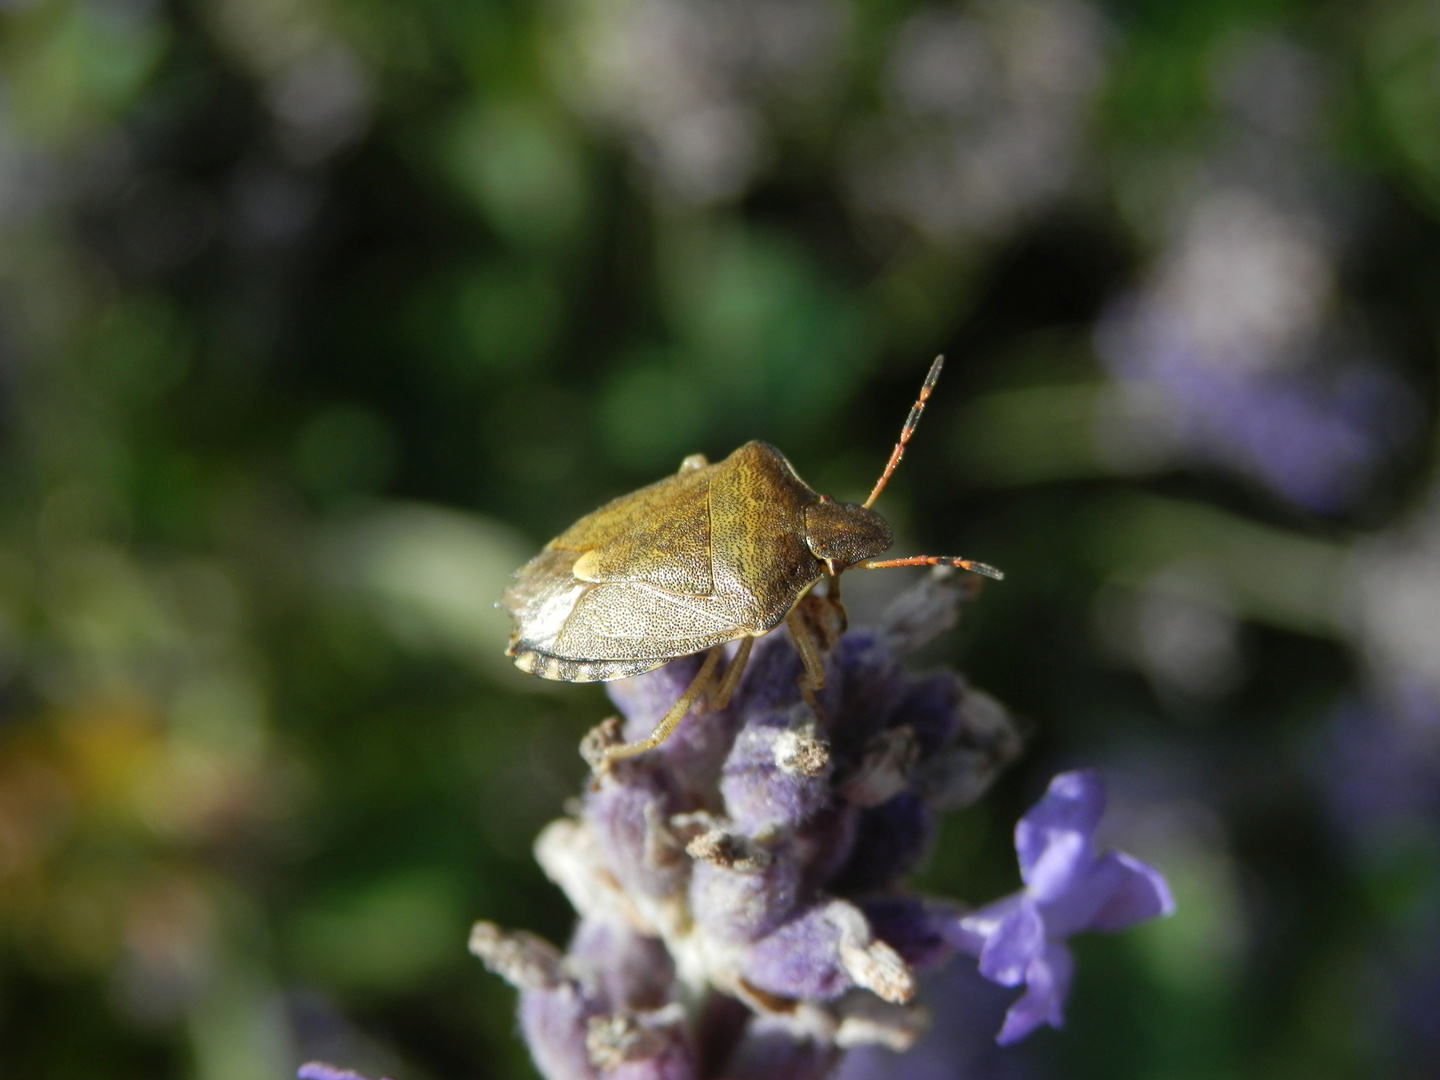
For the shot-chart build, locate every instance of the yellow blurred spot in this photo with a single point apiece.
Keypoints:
(108, 747)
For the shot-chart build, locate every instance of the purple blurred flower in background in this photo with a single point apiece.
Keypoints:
(1379, 758)
(1234, 351)
(740, 887)
(1314, 435)
(1379, 770)
(1376, 766)
(984, 114)
(700, 91)
(321, 1070)
(1380, 767)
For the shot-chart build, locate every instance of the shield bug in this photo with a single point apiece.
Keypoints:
(711, 554)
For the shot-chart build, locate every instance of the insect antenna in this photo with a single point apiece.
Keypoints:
(911, 422)
(932, 560)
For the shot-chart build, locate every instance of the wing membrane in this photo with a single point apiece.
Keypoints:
(628, 620)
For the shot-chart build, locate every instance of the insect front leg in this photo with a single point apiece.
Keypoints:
(813, 677)
(823, 615)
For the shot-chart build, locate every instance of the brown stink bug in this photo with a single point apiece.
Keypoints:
(709, 555)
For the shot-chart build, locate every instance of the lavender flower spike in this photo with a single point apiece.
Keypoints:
(1068, 888)
(741, 887)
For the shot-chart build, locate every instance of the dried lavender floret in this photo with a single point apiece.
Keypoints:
(824, 952)
(731, 904)
(761, 784)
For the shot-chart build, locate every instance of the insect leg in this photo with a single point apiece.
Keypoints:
(677, 712)
(731, 679)
(813, 678)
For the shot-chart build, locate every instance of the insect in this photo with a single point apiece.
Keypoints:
(711, 554)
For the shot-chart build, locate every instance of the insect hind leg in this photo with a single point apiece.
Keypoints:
(731, 679)
(702, 681)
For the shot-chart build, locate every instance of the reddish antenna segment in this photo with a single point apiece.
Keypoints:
(932, 560)
(911, 422)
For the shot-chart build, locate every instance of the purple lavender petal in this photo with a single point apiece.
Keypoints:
(1053, 838)
(1111, 893)
(1014, 935)
(969, 933)
(1047, 985)
(1073, 906)
(1140, 892)
(1021, 938)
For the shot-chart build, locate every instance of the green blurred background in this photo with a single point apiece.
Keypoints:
(318, 318)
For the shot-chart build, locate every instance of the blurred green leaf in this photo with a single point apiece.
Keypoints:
(521, 165)
(382, 938)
